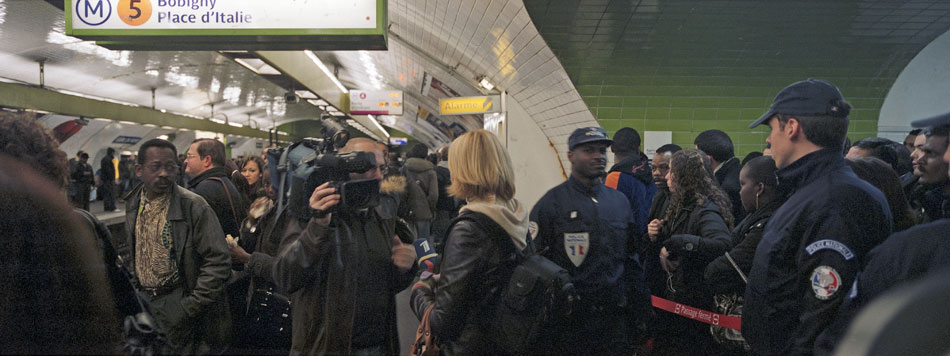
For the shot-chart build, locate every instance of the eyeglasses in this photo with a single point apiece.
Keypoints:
(190, 155)
(156, 167)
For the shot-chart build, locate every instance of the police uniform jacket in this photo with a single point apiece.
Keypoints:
(905, 257)
(721, 276)
(810, 252)
(585, 231)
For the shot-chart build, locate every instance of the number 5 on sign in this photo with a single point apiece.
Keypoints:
(135, 12)
(577, 246)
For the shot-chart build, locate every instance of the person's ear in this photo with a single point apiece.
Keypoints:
(138, 170)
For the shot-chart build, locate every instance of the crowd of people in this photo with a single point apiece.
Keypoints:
(798, 237)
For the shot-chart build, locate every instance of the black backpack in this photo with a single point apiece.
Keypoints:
(538, 294)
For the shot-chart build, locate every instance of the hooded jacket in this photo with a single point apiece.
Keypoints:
(632, 177)
(474, 270)
(423, 172)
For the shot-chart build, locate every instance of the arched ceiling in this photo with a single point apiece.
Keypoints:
(692, 65)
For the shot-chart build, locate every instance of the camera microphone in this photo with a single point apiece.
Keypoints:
(426, 257)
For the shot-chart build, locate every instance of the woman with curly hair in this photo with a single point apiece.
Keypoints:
(694, 231)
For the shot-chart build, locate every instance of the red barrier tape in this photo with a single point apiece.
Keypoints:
(708, 317)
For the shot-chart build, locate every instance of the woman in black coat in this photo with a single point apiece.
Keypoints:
(694, 231)
(477, 261)
(758, 183)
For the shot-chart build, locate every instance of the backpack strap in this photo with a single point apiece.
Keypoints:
(282, 168)
(230, 201)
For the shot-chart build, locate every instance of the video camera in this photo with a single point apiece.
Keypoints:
(313, 162)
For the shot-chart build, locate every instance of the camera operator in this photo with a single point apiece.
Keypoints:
(343, 271)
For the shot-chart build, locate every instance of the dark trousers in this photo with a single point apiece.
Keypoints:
(189, 335)
(590, 331)
(81, 199)
(107, 189)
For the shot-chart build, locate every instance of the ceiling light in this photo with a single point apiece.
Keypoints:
(235, 124)
(217, 121)
(323, 67)
(150, 125)
(318, 102)
(305, 94)
(257, 65)
(484, 83)
(373, 119)
(163, 137)
(168, 127)
(128, 122)
(102, 119)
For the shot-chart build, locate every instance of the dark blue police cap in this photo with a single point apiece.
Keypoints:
(587, 134)
(812, 97)
(939, 120)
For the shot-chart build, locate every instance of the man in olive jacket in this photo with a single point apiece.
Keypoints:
(178, 254)
(343, 277)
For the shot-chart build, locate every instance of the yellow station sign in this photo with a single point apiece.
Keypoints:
(470, 105)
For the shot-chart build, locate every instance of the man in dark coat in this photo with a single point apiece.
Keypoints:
(107, 175)
(815, 244)
(725, 164)
(178, 254)
(631, 176)
(82, 177)
(343, 294)
(205, 163)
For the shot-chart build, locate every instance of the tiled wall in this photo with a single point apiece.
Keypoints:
(687, 65)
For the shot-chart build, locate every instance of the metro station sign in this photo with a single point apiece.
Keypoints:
(229, 24)
(379, 102)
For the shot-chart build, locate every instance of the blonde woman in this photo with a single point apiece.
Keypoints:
(476, 261)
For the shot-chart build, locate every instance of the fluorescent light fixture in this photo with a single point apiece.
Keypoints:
(168, 127)
(373, 119)
(163, 137)
(484, 83)
(305, 94)
(323, 67)
(217, 121)
(150, 125)
(233, 51)
(128, 122)
(318, 102)
(257, 65)
(235, 124)
(102, 119)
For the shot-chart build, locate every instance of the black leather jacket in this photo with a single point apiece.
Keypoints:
(475, 268)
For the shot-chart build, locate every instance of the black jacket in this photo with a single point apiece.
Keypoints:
(721, 277)
(477, 264)
(810, 252)
(696, 236)
(728, 178)
(905, 257)
(107, 170)
(213, 191)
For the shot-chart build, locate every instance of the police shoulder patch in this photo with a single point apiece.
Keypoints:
(828, 244)
(825, 281)
(533, 229)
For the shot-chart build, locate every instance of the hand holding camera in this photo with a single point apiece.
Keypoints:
(323, 198)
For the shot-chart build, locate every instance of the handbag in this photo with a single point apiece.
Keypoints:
(268, 318)
(424, 344)
(730, 304)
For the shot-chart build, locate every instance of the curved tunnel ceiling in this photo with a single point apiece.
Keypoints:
(691, 65)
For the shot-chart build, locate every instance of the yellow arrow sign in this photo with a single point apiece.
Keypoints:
(469, 105)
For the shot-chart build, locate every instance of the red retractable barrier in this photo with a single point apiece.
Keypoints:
(708, 317)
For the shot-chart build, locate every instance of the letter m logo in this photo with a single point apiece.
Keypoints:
(93, 12)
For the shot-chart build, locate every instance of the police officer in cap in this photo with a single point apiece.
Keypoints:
(904, 257)
(815, 244)
(586, 228)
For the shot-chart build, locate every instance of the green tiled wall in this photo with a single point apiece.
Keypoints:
(689, 65)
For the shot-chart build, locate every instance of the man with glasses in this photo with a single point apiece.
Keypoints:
(179, 257)
(206, 164)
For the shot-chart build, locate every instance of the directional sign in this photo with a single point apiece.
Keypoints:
(470, 105)
(229, 24)
(379, 102)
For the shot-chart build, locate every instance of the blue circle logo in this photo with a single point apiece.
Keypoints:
(93, 12)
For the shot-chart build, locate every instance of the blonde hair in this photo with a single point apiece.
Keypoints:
(480, 167)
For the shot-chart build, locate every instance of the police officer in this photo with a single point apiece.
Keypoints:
(815, 244)
(584, 227)
(904, 257)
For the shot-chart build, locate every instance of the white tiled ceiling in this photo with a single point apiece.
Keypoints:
(460, 40)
